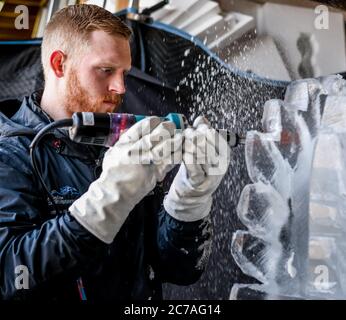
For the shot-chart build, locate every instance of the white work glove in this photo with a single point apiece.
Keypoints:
(205, 162)
(131, 169)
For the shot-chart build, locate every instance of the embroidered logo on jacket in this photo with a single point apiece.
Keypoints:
(63, 197)
(65, 192)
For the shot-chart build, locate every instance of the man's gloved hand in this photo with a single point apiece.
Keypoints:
(206, 158)
(131, 169)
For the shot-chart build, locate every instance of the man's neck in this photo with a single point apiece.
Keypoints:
(53, 106)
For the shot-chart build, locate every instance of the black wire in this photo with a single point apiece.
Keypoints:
(34, 144)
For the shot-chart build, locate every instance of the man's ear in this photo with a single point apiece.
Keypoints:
(57, 60)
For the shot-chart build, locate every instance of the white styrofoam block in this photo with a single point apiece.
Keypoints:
(243, 24)
(160, 14)
(170, 11)
(243, 6)
(257, 55)
(286, 24)
(203, 13)
(147, 3)
(208, 30)
(166, 11)
(181, 9)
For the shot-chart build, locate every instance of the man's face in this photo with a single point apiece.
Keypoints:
(95, 82)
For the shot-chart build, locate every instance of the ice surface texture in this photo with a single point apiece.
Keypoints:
(292, 233)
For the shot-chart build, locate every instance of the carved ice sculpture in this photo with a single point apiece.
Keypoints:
(295, 209)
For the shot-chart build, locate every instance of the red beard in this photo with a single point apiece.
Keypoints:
(79, 100)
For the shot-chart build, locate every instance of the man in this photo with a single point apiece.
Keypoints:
(112, 239)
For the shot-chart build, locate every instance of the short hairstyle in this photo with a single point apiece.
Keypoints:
(69, 30)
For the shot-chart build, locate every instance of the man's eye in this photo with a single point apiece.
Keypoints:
(106, 70)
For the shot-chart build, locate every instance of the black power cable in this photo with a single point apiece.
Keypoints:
(47, 129)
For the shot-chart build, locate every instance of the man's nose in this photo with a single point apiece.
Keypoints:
(117, 84)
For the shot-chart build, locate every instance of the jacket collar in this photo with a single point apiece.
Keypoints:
(31, 115)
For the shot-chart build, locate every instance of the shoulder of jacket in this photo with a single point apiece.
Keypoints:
(14, 152)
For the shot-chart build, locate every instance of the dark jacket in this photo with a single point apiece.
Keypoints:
(150, 248)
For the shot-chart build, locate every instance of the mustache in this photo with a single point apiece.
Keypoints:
(113, 99)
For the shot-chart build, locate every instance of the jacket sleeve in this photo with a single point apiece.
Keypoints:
(183, 248)
(46, 249)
